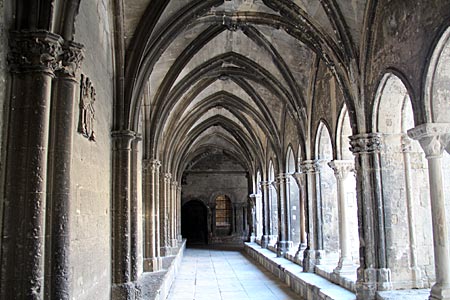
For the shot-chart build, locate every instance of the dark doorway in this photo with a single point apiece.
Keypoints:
(194, 225)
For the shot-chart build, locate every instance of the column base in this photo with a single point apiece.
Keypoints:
(124, 291)
(273, 239)
(152, 264)
(265, 241)
(283, 247)
(174, 243)
(372, 280)
(440, 292)
(166, 251)
(311, 258)
(345, 267)
(180, 238)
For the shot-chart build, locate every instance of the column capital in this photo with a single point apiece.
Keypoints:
(167, 176)
(282, 177)
(71, 58)
(122, 139)
(342, 168)
(309, 166)
(365, 143)
(152, 164)
(34, 51)
(175, 183)
(264, 184)
(433, 137)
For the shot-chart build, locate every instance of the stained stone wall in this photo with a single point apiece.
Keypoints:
(91, 178)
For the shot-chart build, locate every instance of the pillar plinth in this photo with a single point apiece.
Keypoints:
(342, 168)
(434, 139)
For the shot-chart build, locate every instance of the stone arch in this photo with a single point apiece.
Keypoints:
(327, 200)
(404, 188)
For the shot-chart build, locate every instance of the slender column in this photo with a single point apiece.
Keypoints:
(59, 171)
(416, 272)
(434, 138)
(265, 213)
(251, 217)
(121, 257)
(152, 259)
(134, 238)
(342, 169)
(373, 273)
(284, 243)
(179, 237)
(300, 180)
(32, 61)
(312, 254)
(257, 216)
(164, 216)
(173, 214)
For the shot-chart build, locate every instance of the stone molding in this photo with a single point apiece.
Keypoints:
(342, 168)
(433, 137)
(366, 143)
(34, 51)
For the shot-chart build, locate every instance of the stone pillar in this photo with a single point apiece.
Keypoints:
(134, 237)
(312, 255)
(173, 214)
(257, 216)
(284, 243)
(152, 259)
(434, 138)
(266, 214)
(342, 168)
(164, 216)
(122, 287)
(300, 180)
(32, 60)
(59, 171)
(373, 273)
(179, 236)
(416, 272)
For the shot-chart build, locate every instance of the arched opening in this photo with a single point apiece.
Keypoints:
(273, 204)
(293, 199)
(194, 225)
(258, 207)
(405, 189)
(327, 205)
(343, 146)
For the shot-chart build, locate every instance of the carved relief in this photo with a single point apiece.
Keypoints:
(87, 111)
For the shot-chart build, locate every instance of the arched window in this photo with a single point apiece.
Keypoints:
(223, 211)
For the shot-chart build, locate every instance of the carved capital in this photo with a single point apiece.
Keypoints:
(151, 164)
(406, 143)
(34, 51)
(71, 58)
(341, 168)
(365, 143)
(122, 139)
(433, 137)
(175, 184)
(167, 177)
(310, 166)
(282, 178)
(264, 184)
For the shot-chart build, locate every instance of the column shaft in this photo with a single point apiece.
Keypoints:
(60, 165)
(265, 214)
(32, 60)
(284, 243)
(134, 237)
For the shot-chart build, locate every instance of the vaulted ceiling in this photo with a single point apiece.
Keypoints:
(203, 75)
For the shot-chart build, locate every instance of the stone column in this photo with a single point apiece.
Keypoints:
(152, 259)
(59, 171)
(164, 216)
(342, 168)
(300, 180)
(122, 287)
(416, 272)
(32, 60)
(257, 216)
(434, 138)
(179, 236)
(266, 214)
(134, 237)
(173, 214)
(284, 243)
(373, 273)
(312, 255)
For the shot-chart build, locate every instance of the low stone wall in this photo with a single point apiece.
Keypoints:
(308, 285)
(156, 285)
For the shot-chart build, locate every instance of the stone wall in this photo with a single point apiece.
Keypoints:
(91, 178)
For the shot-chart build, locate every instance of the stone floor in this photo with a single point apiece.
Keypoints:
(225, 275)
